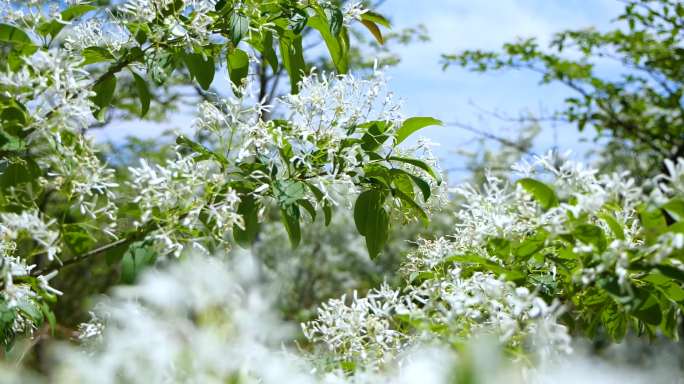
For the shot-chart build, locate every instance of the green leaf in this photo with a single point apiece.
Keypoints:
(238, 66)
(249, 210)
(50, 316)
(407, 200)
(648, 310)
(376, 18)
(615, 323)
(77, 10)
(238, 27)
(298, 20)
(412, 125)
(30, 310)
(53, 27)
(375, 134)
(653, 222)
(675, 208)
(94, 55)
(137, 258)
(104, 93)
(541, 192)
(671, 272)
(531, 245)
(365, 203)
(203, 152)
(201, 69)
(614, 226)
(591, 234)
(420, 164)
(327, 212)
(377, 231)
(337, 45)
(19, 172)
(293, 61)
(143, 94)
(372, 221)
(287, 192)
(335, 19)
(306, 204)
(374, 30)
(290, 219)
(268, 51)
(20, 41)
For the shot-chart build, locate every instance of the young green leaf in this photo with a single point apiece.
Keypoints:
(412, 125)
(290, 219)
(675, 207)
(104, 93)
(18, 39)
(377, 231)
(238, 66)
(249, 210)
(541, 192)
(201, 69)
(143, 94)
(293, 61)
(420, 164)
(374, 30)
(362, 208)
(337, 45)
(238, 25)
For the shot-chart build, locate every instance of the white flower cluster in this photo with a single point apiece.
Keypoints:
(18, 297)
(177, 195)
(55, 89)
(29, 224)
(189, 23)
(370, 329)
(328, 105)
(199, 322)
(362, 330)
(94, 32)
(206, 321)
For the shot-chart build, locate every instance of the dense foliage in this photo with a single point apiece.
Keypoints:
(638, 109)
(391, 277)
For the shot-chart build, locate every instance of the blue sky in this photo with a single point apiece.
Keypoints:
(459, 95)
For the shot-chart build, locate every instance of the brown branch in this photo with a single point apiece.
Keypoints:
(502, 140)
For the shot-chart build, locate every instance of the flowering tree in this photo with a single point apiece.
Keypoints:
(62, 205)
(539, 258)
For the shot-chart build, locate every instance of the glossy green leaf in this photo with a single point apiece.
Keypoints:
(104, 93)
(94, 55)
(541, 192)
(675, 207)
(293, 61)
(413, 124)
(238, 25)
(238, 66)
(137, 258)
(377, 231)
(591, 234)
(376, 18)
(201, 68)
(374, 30)
(249, 210)
(290, 219)
(143, 94)
(20, 41)
(365, 203)
(420, 164)
(338, 46)
(614, 226)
